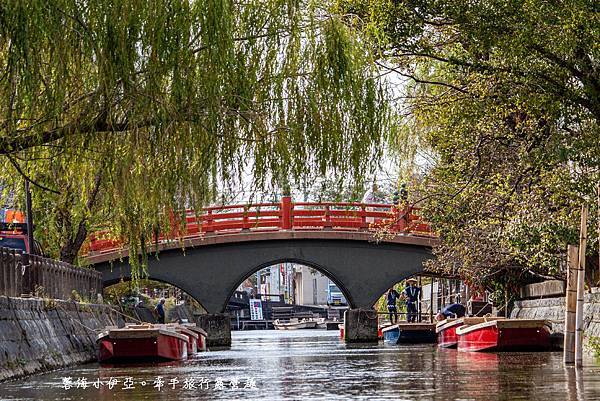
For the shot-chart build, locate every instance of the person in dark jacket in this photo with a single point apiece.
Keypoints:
(391, 299)
(160, 311)
(452, 310)
(412, 294)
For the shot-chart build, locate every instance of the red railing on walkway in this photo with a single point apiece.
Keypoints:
(287, 215)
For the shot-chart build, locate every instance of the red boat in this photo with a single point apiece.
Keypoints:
(142, 342)
(446, 329)
(192, 336)
(201, 342)
(341, 326)
(505, 335)
(446, 332)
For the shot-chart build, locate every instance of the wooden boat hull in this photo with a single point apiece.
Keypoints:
(446, 329)
(202, 335)
(447, 338)
(192, 345)
(505, 336)
(410, 334)
(160, 347)
(380, 330)
(295, 326)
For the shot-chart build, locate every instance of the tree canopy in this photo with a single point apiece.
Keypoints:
(119, 111)
(505, 98)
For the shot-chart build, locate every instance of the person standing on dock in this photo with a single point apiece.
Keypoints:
(411, 293)
(160, 310)
(391, 298)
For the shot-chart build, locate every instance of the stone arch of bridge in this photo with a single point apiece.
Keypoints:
(362, 269)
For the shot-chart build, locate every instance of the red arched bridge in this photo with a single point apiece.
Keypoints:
(363, 248)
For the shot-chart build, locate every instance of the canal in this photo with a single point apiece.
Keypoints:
(316, 365)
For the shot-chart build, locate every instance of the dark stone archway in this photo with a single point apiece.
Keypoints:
(211, 271)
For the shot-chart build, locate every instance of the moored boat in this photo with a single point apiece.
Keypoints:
(295, 324)
(409, 333)
(505, 335)
(446, 329)
(192, 336)
(380, 330)
(141, 342)
(325, 324)
(202, 335)
(341, 327)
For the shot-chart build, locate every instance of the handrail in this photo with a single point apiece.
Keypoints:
(284, 215)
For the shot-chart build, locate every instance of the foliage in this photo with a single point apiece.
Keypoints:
(122, 112)
(505, 97)
(594, 344)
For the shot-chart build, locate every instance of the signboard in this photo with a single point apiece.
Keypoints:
(256, 312)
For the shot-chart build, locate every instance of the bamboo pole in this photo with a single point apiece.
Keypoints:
(431, 302)
(570, 304)
(580, 289)
(420, 298)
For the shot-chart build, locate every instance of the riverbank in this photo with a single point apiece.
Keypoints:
(40, 335)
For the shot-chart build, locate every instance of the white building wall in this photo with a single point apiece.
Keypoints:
(310, 286)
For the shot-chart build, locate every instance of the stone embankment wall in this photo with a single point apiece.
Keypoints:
(38, 335)
(553, 309)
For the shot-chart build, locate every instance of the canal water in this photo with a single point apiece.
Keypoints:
(316, 365)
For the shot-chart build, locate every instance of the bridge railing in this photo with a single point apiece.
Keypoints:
(284, 215)
(21, 273)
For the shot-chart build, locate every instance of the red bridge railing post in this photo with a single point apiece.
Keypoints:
(245, 220)
(208, 226)
(286, 212)
(363, 218)
(327, 225)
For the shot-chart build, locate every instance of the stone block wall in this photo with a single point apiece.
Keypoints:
(38, 335)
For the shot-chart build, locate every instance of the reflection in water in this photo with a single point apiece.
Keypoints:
(574, 384)
(316, 365)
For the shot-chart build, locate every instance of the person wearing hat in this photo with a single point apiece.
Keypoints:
(411, 293)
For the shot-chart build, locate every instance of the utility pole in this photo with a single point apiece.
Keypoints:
(30, 241)
(580, 288)
(571, 304)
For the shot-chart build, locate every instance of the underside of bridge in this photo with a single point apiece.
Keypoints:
(211, 271)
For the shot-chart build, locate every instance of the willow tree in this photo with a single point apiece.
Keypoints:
(121, 110)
